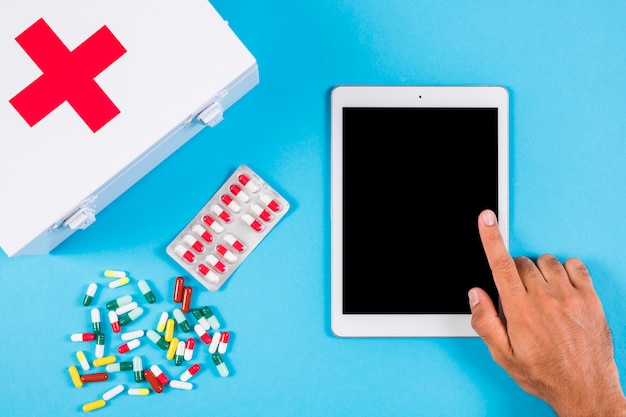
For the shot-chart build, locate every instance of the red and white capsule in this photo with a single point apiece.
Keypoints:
(213, 224)
(190, 345)
(228, 255)
(191, 371)
(158, 373)
(270, 202)
(206, 272)
(221, 348)
(252, 222)
(128, 346)
(261, 212)
(239, 193)
(230, 203)
(216, 263)
(194, 243)
(115, 321)
(220, 212)
(247, 182)
(184, 253)
(202, 232)
(234, 242)
(202, 334)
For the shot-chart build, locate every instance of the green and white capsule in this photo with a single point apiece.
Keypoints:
(126, 308)
(95, 320)
(208, 314)
(90, 293)
(119, 366)
(119, 302)
(202, 321)
(157, 339)
(100, 345)
(138, 368)
(219, 364)
(131, 316)
(180, 354)
(146, 291)
(180, 318)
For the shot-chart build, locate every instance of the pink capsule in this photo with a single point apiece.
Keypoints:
(215, 226)
(189, 348)
(228, 255)
(194, 243)
(115, 322)
(252, 222)
(208, 274)
(237, 192)
(221, 348)
(269, 202)
(248, 183)
(216, 263)
(184, 253)
(203, 233)
(261, 212)
(234, 242)
(230, 203)
(219, 212)
(202, 334)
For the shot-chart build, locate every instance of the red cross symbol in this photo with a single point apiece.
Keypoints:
(67, 75)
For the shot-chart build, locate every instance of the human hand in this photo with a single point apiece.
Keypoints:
(556, 343)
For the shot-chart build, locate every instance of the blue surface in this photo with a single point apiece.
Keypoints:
(563, 63)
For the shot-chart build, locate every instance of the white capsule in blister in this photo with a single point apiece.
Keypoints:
(239, 193)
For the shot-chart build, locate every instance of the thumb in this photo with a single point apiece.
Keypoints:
(487, 323)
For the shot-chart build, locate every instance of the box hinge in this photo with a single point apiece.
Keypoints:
(79, 218)
(211, 114)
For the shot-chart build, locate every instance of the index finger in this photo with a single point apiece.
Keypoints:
(502, 266)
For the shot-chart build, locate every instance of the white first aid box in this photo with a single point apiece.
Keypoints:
(96, 93)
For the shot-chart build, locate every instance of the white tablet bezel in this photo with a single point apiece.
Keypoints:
(406, 325)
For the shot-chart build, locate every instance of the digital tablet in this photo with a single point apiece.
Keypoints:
(411, 169)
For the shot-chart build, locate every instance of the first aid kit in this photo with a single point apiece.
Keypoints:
(94, 95)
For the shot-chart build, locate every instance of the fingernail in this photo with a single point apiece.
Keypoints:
(473, 298)
(489, 218)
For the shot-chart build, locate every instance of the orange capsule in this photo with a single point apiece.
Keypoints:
(95, 377)
(178, 289)
(186, 299)
(153, 381)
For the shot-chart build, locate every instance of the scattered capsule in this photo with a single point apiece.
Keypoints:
(105, 360)
(228, 255)
(219, 364)
(181, 320)
(120, 311)
(100, 345)
(94, 405)
(95, 320)
(156, 385)
(270, 202)
(220, 212)
(261, 212)
(224, 338)
(75, 376)
(216, 263)
(162, 321)
(138, 368)
(95, 377)
(230, 203)
(215, 341)
(202, 321)
(248, 183)
(82, 359)
(169, 329)
(186, 301)
(135, 334)
(112, 273)
(180, 354)
(119, 282)
(211, 318)
(184, 253)
(146, 291)
(181, 384)
(194, 243)
(115, 322)
(119, 302)
(128, 346)
(208, 274)
(119, 366)
(215, 226)
(191, 371)
(202, 334)
(83, 337)
(157, 339)
(237, 192)
(189, 348)
(131, 316)
(138, 391)
(234, 242)
(160, 375)
(90, 293)
(113, 392)
(171, 350)
(179, 284)
(252, 222)
(202, 232)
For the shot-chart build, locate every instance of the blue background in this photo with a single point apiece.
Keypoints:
(563, 64)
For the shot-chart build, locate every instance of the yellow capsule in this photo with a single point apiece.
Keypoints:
(94, 405)
(138, 391)
(119, 282)
(171, 350)
(162, 321)
(82, 359)
(105, 360)
(112, 273)
(169, 330)
(75, 376)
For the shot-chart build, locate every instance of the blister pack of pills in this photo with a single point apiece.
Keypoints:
(228, 228)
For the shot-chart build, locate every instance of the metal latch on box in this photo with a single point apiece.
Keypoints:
(79, 218)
